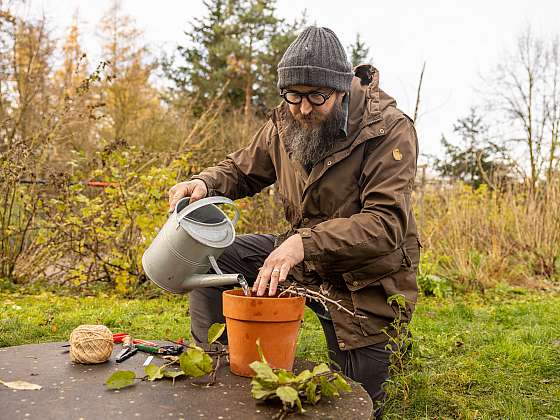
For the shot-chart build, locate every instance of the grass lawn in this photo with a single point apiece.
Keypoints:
(476, 356)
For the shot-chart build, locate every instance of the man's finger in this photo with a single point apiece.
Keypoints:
(273, 281)
(173, 198)
(197, 194)
(265, 278)
(284, 271)
(257, 280)
(172, 204)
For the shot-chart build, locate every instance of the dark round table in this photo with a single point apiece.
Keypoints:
(74, 391)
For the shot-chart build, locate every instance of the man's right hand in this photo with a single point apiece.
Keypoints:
(195, 190)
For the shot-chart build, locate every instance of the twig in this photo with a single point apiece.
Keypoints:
(418, 93)
(318, 297)
(213, 374)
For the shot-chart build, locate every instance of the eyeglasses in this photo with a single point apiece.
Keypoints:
(314, 97)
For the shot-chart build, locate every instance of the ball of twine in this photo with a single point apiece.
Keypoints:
(91, 344)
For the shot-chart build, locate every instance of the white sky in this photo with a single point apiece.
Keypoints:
(458, 39)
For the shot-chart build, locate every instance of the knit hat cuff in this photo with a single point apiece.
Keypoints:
(314, 76)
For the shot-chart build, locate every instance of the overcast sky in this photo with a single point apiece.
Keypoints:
(459, 41)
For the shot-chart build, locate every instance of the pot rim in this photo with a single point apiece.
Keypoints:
(262, 309)
(238, 293)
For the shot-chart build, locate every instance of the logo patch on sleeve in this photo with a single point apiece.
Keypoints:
(397, 155)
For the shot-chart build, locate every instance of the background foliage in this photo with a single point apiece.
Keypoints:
(88, 154)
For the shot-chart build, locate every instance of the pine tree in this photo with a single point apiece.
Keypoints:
(358, 52)
(476, 160)
(237, 44)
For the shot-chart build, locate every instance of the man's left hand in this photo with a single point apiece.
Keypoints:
(278, 264)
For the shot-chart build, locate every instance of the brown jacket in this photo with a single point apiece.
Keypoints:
(353, 210)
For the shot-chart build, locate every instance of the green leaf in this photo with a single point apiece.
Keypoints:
(311, 393)
(322, 368)
(259, 392)
(340, 383)
(300, 408)
(195, 362)
(215, 331)
(285, 377)
(287, 394)
(303, 376)
(121, 379)
(172, 373)
(262, 394)
(207, 364)
(327, 389)
(154, 372)
(264, 371)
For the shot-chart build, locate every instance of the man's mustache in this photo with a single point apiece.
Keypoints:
(309, 119)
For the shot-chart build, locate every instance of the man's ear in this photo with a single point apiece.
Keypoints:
(339, 96)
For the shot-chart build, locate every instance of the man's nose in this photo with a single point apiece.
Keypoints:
(305, 107)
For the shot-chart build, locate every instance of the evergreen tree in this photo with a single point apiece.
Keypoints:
(358, 52)
(476, 160)
(235, 46)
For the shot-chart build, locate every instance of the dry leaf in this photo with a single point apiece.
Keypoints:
(54, 328)
(21, 385)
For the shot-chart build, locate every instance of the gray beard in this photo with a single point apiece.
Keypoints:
(310, 143)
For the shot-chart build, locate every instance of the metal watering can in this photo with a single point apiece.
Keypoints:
(189, 243)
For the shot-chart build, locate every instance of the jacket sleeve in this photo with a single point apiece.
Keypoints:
(388, 171)
(246, 171)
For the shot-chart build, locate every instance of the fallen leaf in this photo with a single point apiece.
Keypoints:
(21, 385)
(215, 331)
(54, 328)
(121, 379)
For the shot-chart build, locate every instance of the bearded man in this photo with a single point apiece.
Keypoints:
(343, 159)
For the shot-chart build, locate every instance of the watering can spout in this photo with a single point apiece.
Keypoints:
(212, 280)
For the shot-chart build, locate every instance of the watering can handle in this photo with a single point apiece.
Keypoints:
(204, 202)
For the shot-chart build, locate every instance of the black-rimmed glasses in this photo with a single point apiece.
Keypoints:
(314, 97)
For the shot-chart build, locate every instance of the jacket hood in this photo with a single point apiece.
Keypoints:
(367, 100)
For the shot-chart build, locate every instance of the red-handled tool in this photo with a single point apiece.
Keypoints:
(118, 338)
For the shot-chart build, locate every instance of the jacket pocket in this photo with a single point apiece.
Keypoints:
(373, 312)
(374, 270)
(371, 302)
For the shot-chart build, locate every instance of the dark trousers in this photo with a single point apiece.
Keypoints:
(367, 365)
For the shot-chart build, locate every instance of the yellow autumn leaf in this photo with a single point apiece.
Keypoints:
(21, 385)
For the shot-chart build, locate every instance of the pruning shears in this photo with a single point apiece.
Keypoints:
(132, 346)
(129, 349)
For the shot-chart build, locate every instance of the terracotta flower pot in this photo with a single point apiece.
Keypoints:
(275, 321)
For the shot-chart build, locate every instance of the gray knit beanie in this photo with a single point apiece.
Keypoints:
(315, 58)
